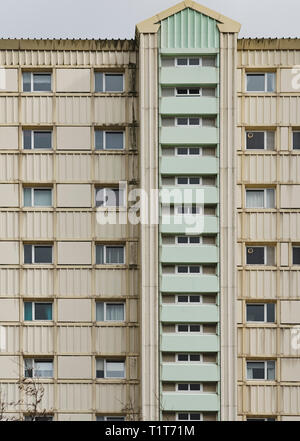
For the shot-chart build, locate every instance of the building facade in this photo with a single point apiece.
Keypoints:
(119, 310)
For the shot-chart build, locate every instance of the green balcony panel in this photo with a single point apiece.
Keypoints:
(189, 254)
(185, 136)
(189, 76)
(188, 51)
(189, 343)
(207, 195)
(179, 401)
(189, 283)
(190, 372)
(189, 106)
(189, 313)
(173, 165)
(176, 224)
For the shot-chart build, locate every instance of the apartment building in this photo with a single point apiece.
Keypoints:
(159, 319)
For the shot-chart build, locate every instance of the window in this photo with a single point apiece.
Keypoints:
(188, 269)
(110, 312)
(110, 197)
(261, 419)
(188, 328)
(188, 209)
(296, 140)
(37, 197)
(109, 82)
(261, 370)
(36, 82)
(37, 311)
(205, 61)
(195, 91)
(36, 368)
(110, 254)
(261, 255)
(261, 82)
(189, 358)
(260, 312)
(188, 299)
(109, 140)
(191, 240)
(260, 198)
(38, 418)
(110, 368)
(189, 151)
(185, 180)
(38, 254)
(260, 140)
(109, 418)
(189, 387)
(296, 255)
(189, 416)
(196, 121)
(37, 139)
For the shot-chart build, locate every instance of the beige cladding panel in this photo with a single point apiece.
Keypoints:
(37, 282)
(9, 138)
(73, 80)
(9, 166)
(284, 254)
(74, 367)
(290, 418)
(9, 282)
(37, 168)
(259, 400)
(73, 138)
(74, 253)
(9, 367)
(290, 369)
(38, 339)
(74, 225)
(36, 110)
(75, 397)
(112, 397)
(74, 417)
(290, 196)
(37, 225)
(290, 312)
(9, 196)
(74, 310)
(9, 225)
(74, 339)
(8, 80)
(73, 109)
(9, 311)
(73, 195)
(9, 110)
(74, 282)
(9, 253)
(74, 167)
(290, 80)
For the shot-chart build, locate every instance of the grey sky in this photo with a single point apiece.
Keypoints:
(117, 18)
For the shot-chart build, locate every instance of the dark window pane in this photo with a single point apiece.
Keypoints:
(98, 82)
(183, 269)
(183, 299)
(194, 299)
(183, 416)
(194, 121)
(99, 139)
(27, 139)
(296, 140)
(113, 83)
(255, 140)
(255, 82)
(42, 140)
(115, 418)
(182, 121)
(194, 61)
(182, 239)
(194, 181)
(42, 82)
(182, 61)
(182, 151)
(182, 91)
(27, 310)
(26, 82)
(27, 254)
(255, 313)
(255, 255)
(99, 254)
(195, 357)
(114, 141)
(194, 328)
(182, 181)
(296, 255)
(183, 328)
(194, 239)
(183, 357)
(194, 151)
(99, 373)
(194, 269)
(195, 416)
(194, 91)
(271, 312)
(43, 311)
(183, 387)
(195, 387)
(43, 254)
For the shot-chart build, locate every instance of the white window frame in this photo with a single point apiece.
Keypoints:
(189, 414)
(188, 151)
(108, 360)
(189, 331)
(189, 391)
(188, 240)
(112, 246)
(188, 91)
(200, 58)
(265, 313)
(111, 418)
(32, 139)
(265, 370)
(189, 267)
(265, 254)
(266, 82)
(34, 360)
(189, 178)
(112, 303)
(33, 262)
(189, 358)
(265, 139)
(33, 310)
(120, 189)
(32, 82)
(265, 198)
(104, 140)
(32, 197)
(188, 295)
(104, 82)
(189, 208)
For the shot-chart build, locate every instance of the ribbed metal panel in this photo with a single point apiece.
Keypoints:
(37, 282)
(258, 341)
(257, 226)
(258, 169)
(115, 110)
(290, 400)
(36, 110)
(290, 226)
(9, 282)
(37, 167)
(189, 29)
(74, 282)
(74, 339)
(258, 110)
(9, 225)
(258, 58)
(9, 110)
(38, 339)
(290, 169)
(258, 284)
(73, 109)
(259, 400)
(73, 167)
(37, 225)
(289, 283)
(8, 167)
(112, 340)
(72, 396)
(74, 225)
(112, 282)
